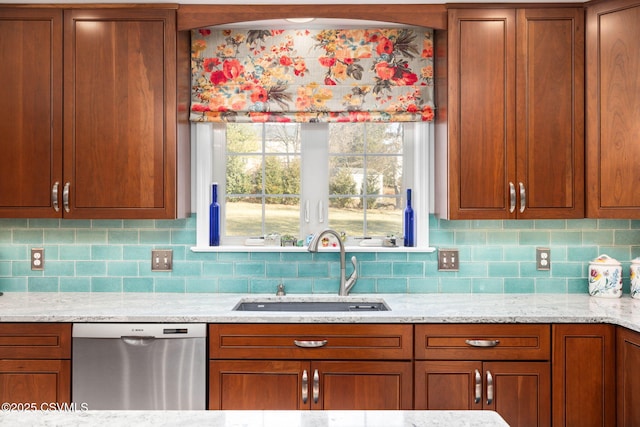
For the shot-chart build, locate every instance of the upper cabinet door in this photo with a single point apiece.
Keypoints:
(481, 113)
(515, 143)
(31, 111)
(120, 113)
(613, 110)
(550, 113)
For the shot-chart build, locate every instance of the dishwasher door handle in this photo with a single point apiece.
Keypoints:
(137, 340)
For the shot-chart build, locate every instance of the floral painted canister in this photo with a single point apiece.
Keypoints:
(635, 278)
(605, 277)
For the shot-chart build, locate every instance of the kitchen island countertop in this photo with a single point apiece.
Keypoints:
(255, 418)
(405, 308)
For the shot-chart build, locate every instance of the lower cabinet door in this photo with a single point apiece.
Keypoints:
(628, 361)
(35, 382)
(259, 385)
(296, 385)
(584, 375)
(448, 385)
(518, 391)
(362, 385)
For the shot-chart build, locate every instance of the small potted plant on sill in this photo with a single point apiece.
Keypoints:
(288, 240)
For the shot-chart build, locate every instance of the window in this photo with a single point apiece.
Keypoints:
(262, 180)
(298, 178)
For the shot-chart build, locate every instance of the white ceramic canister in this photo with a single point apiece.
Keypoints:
(635, 278)
(605, 277)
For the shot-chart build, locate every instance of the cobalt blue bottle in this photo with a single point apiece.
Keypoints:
(409, 223)
(214, 217)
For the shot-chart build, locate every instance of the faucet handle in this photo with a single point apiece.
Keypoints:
(353, 277)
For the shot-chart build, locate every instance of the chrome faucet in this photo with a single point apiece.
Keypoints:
(345, 284)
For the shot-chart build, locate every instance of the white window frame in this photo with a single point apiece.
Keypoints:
(208, 157)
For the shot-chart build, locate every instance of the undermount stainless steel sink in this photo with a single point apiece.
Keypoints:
(312, 306)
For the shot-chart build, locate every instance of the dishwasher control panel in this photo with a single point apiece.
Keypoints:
(157, 330)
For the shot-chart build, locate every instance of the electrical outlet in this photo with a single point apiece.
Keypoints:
(37, 258)
(448, 260)
(161, 260)
(543, 258)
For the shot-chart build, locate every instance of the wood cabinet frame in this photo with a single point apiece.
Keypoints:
(105, 154)
(497, 114)
(584, 375)
(35, 365)
(459, 366)
(628, 381)
(613, 99)
(350, 366)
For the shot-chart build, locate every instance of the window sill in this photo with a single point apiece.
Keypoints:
(350, 249)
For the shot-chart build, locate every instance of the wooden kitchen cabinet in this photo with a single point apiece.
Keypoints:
(346, 367)
(120, 144)
(628, 380)
(31, 106)
(35, 365)
(613, 105)
(511, 144)
(504, 368)
(112, 151)
(584, 376)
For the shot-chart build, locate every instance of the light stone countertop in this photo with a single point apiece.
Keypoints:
(405, 308)
(255, 418)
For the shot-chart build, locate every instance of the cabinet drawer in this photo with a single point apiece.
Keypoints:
(35, 340)
(327, 341)
(503, 342)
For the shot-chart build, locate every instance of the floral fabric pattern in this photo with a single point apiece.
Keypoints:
(378, 75)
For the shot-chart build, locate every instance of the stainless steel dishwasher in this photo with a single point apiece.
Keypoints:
(139, 365)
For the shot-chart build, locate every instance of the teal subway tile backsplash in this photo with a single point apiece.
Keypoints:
(375, 269)
(487, 286)
(137, 284)
(281, 269)
(494, 256)
(106, 284)
(5, 269)
(408, 269)
(423, 286)
(28, 236)
(174, 284)
(79, 284)
(396, 285)
(250, 269)
(43, 284)
(455, 286)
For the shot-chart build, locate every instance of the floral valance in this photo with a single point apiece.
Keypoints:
(378, 75)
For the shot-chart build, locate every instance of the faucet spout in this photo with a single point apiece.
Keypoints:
(345, 284)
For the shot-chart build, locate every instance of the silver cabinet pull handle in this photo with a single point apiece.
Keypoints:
(489, 388)
(320, 212)
(305, 386)
(310, 344)
(54, 196)
(65, 196)
(523, 197)
(478, 387)
(316, 386)
(512, 197)
(307, 214)
(482, 343)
